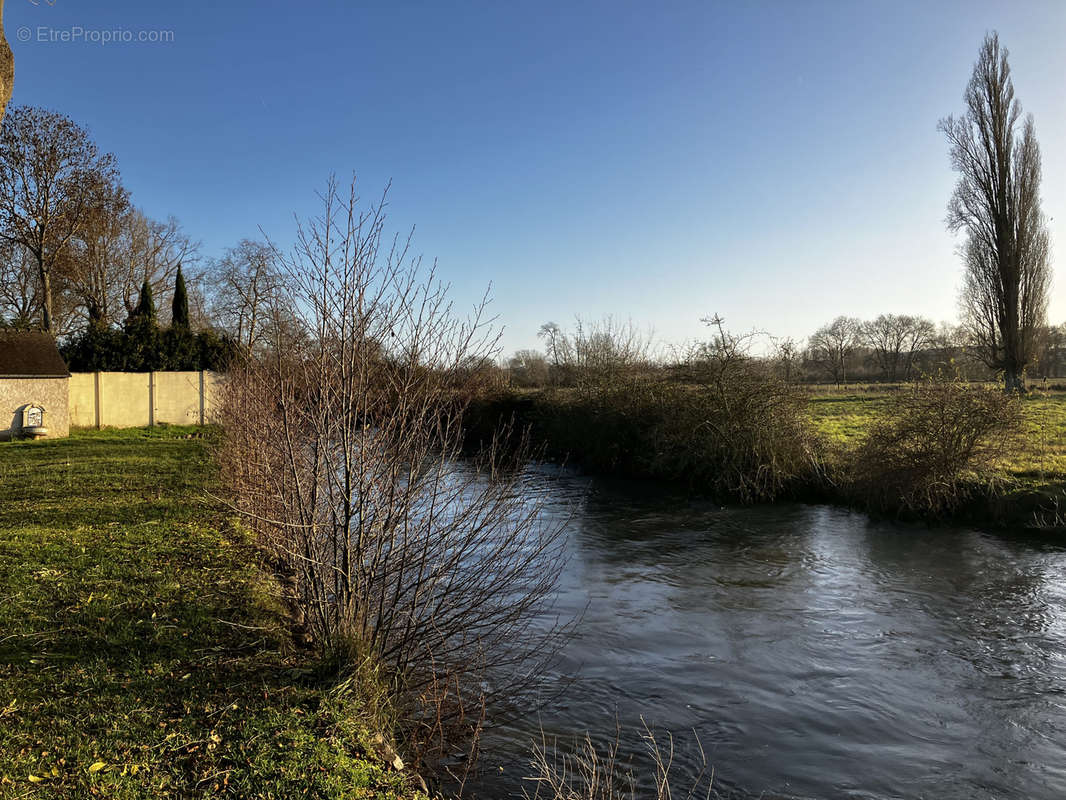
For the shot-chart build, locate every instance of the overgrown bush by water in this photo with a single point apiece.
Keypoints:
(726, 427)
(936, 445)
(719, 421)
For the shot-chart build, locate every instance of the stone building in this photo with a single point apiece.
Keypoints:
(34, 387)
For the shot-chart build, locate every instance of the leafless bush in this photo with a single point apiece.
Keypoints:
(935, 439)
(526, 368)
(342, 452)
(598, 356)
(588, 773)
(733, 422)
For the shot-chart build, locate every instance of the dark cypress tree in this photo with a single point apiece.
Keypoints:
(143, 351)
(145, 310)
(179, 317)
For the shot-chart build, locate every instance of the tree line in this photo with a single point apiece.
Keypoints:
(901, 347)
(80, 260)
(890, 348)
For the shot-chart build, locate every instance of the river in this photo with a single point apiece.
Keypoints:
(814, 652)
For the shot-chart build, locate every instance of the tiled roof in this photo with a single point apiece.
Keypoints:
(30, 354)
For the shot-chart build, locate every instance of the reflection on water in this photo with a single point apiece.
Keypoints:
(815, 653)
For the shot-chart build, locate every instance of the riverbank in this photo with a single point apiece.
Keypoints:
(1026, 488)
(143, 652)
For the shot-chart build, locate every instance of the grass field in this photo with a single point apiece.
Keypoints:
(1041, 457)
(142, 654)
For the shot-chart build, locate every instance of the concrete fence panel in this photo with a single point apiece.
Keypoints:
(83, 400)
(140, 399)
(213, 384)
(177, 398)
(125, 399)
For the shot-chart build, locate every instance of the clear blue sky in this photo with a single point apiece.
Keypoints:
(775, 162)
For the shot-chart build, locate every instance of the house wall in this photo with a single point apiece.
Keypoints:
(140, 399)
(51, 394)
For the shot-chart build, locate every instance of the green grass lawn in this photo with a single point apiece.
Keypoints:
(1041, 457)
(844, 419)
(142, 654)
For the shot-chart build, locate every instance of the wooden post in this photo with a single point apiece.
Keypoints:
(151, 399)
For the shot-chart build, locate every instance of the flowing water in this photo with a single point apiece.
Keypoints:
(814, 652)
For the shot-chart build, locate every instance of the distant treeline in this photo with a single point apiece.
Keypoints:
(890, 348)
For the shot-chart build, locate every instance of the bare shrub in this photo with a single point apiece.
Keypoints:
(597, 356)
(526, 368)
(732, 423)
(719, 419)
(588, 773)
(935, 441)
(342, 452)
(608, 353)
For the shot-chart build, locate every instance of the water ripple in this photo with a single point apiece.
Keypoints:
(816, 653)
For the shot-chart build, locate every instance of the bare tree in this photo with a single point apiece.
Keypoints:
(343, 452)
(895, 340)
(119, 249)
(787, 355)
(1051, 351)
(200, 312)
(834, 343)
(921, 334)
(528, 368)
(20, 300)
(92, 268)
(248, 285)
(606, 352)
(558, 348)
(997, 203)
(152, 250)
(598, 354)
(52, 180)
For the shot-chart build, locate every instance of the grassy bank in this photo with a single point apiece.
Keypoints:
(844, 419)
(1026, 488)
(142, 652)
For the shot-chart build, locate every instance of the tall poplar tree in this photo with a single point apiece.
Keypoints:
(997, 204)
